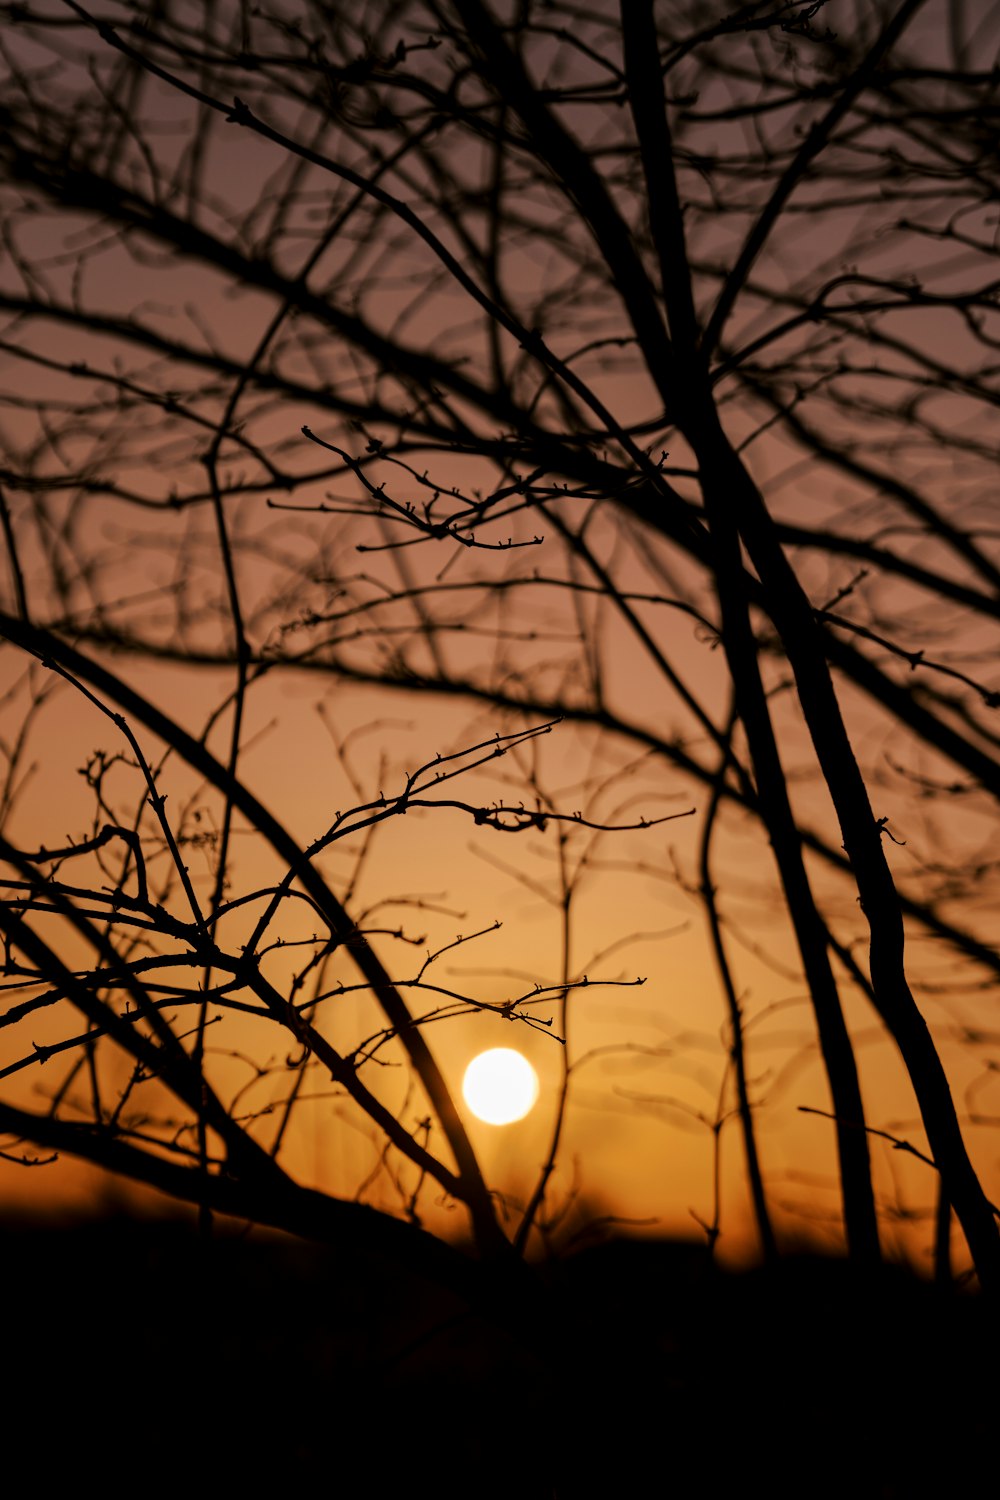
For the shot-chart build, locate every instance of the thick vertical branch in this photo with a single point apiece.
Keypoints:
(738, 1049)
(860, 1220)
(736, 511)
(730, 494)
(649, 111)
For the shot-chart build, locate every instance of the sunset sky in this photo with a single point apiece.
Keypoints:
(184, 293)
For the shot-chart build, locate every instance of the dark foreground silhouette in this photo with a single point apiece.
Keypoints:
(142, 1358)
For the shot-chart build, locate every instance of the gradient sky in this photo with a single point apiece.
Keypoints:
(650, 1068)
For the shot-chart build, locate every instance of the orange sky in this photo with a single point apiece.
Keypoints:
(634, 1144)
(650, 1061)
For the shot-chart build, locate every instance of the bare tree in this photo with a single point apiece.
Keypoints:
(629, 344)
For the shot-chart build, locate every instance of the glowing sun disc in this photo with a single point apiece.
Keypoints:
(500, 1086)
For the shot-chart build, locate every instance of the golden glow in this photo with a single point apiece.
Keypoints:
(500, 1086)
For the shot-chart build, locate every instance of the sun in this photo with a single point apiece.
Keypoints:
(500, 1086)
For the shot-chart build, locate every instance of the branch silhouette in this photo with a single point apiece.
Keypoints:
(624, 369)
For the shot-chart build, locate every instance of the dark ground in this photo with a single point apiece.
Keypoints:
(137, 1356)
